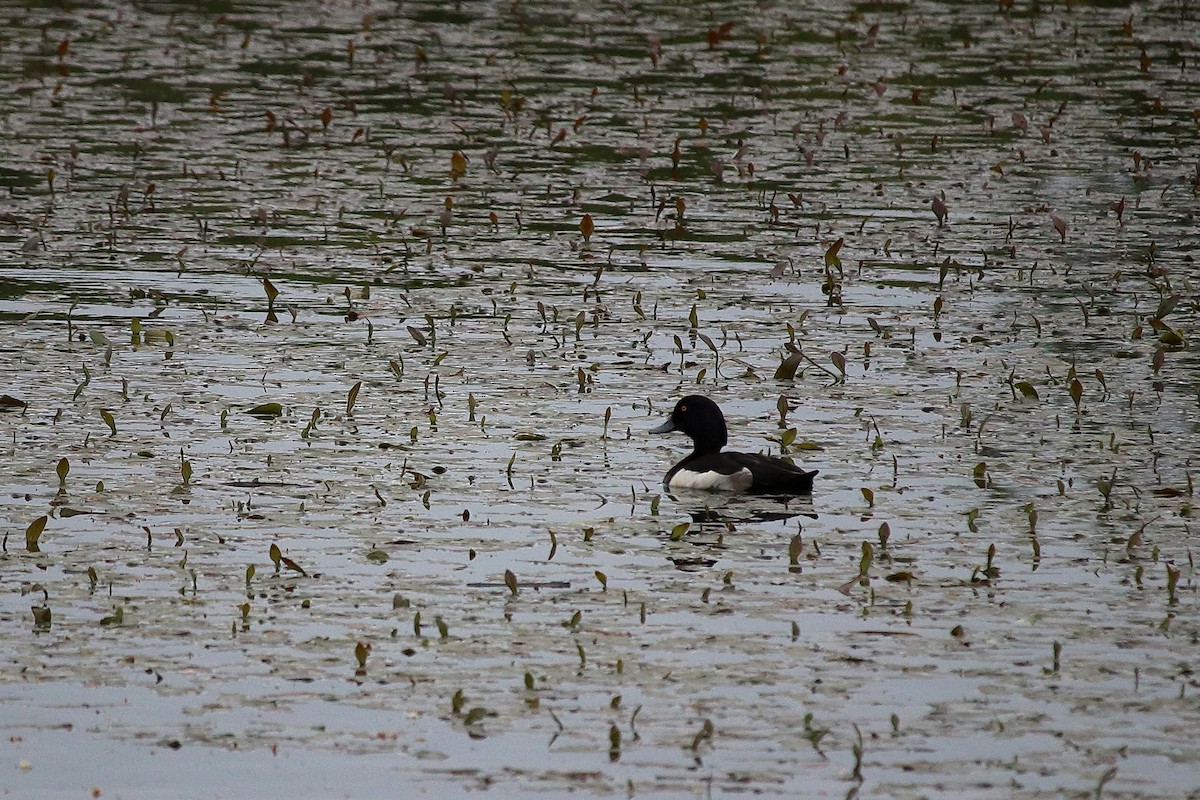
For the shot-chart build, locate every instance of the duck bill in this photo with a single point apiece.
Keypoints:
(666, 427)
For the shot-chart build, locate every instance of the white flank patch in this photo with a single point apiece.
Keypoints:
(713, 481)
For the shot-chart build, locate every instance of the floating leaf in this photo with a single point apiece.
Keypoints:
(276, 556)
(458, 165)
(787, 370)
(679, 530)
(361, 651)
(10, 403)
(293, 566)
(62, 469)
(510, 580)
(868, 495)
(109, 421)
(587, 227)
(1167, 305)
(940, 210)
(831, 255)
(980, 474)
(42, 617)
(600, 576)
(1076, 392)
(839, 361)
(34, 532)
(351, 397)
(416, 334)
(116, 618)
(1027, 390)
(266, 411)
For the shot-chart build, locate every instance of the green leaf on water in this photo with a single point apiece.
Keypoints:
(99, 338)
(1027, 390)
(62, 469)
(867, 559)
(377, 556)
(679, 530)
(116, 618)
(600, 576)
(795, 548)
(868, 495)
(276, 556)
(361, 651)
(266, 411)
(980, 474)
(271, 291)
(510, 580)
(351, 397)
(109, 421)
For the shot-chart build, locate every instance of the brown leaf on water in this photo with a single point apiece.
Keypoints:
(719, 34)
(1167, 305)
(1119, 207)
(1059, 224)
(587, 227)
(292, 565)
(940, 210)
(10, 403)
(787, 370)
(839, 361)
(1159, 359)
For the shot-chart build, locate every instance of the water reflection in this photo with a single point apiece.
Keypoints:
(714, 516)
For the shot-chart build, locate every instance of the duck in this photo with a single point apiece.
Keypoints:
(712, 469)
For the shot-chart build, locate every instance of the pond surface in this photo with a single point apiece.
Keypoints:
(459, 259)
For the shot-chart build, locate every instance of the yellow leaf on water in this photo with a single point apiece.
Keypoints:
(34, 532)
(458, 164)
(831, 255)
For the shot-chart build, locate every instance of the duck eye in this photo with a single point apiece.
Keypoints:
(683, 409)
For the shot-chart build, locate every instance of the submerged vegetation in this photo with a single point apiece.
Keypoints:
(332, 334)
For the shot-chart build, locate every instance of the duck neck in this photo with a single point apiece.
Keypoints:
(710, 442)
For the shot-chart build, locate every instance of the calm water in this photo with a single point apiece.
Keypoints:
(474, 252)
